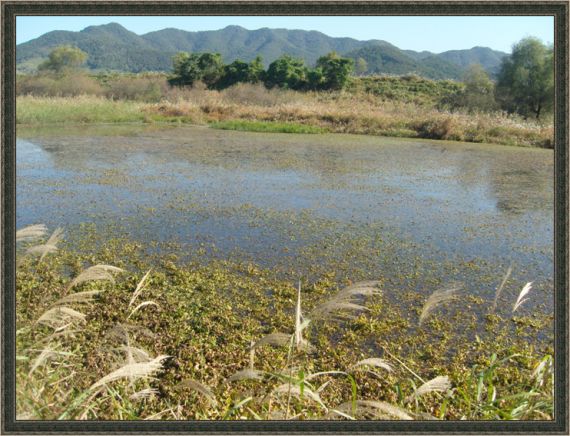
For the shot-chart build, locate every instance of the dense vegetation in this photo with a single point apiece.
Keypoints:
(120, 334)
(111, 47)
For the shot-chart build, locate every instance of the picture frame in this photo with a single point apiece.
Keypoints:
(558, 9)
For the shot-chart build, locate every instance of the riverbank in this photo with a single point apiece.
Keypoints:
(193, 326)
(292, 112)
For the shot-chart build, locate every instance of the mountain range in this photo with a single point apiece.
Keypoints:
(111, 47)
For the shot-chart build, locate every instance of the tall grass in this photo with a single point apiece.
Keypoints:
(252, 107)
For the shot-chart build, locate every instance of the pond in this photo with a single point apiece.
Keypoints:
(418, 213)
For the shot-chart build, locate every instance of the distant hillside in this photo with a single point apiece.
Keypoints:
(489, 59)
(391, 60)
(112, 47)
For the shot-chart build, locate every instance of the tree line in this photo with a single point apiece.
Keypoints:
(524, 84)
(332, 72)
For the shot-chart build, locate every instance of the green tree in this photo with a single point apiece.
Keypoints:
(64, 58)
(526, 79)
(240, 71)
(361, 66)
(189, 68)
(315, 79)
(211, 67)
(287, 72)
(479, 92)
(336, 70)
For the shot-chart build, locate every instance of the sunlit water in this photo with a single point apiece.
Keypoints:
(439, 209)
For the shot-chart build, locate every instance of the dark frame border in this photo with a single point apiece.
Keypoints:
(558, 9)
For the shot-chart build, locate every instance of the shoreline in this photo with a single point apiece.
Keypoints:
(286, 118)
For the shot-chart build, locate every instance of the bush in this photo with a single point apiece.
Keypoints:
(137, 88)
(51, 85)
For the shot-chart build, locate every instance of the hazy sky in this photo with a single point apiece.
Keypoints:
(435, 34)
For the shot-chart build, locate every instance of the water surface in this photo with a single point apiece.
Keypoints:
(418, 213)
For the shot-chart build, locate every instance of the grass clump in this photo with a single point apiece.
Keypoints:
(82, 109)
(266, 126)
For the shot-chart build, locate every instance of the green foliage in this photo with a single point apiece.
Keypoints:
(241, 72)
(190, 68)
(479, 91)
(266, 126)
(408, 88)
(360, 66)
(526, 79)
(336, 70)
(64, 58)
(387, 59)
(287, 72)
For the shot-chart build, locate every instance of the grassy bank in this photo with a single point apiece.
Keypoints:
(266, 126)
(158, 339)
(252, 108)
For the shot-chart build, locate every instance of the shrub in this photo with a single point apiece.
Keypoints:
(51, 85)
(137, 88)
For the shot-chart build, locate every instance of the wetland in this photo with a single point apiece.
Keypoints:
(231, 221)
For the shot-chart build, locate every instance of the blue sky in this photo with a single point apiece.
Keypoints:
(434, 34)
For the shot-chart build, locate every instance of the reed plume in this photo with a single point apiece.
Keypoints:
(132, 371)
(97, 272)
(372, 409)
(436, 299)
(345, 301)
(30, 233)
(438, 384)
(500, 288)
(520, 300)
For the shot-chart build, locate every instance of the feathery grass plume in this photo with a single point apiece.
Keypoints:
(60, 317)
(78, 298)
(55, 237)
(140, 306)
(31, 232)
(298, 317)
(135, 354)
(50, 245)
(500, 288)
(373, 361)
(133, 371)
(438, 298)
(97, 272)
(247, 374)
(521, 298)
(200, 388)
(42, 250)
(121, 331)
(438, 384)
(374, 409)
(47, 353)
(53, 240)
(275, 339)
(345, 301)
(145, 393)
(139, 287)
(293, 389)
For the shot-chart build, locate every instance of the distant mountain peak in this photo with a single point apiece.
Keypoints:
(113, 47)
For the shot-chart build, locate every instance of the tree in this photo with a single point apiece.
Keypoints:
(211, 67)
(361, 66)
(189, 68)
(479, 92)
(240, 71)
(287, 72)
(64, 58)
(336, 70)
(526, 79)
